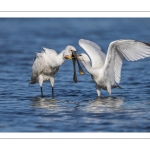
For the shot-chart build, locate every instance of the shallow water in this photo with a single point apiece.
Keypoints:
(76, 107)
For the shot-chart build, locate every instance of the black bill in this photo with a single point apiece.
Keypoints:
(74, 56)
(74, 67)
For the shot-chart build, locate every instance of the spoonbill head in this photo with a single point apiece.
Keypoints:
(70, 53)
(84, 57)
(67, 53)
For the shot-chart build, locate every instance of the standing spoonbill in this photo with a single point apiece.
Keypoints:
(106, 69)
(47, 63)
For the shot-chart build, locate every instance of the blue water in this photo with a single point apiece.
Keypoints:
(76, 107)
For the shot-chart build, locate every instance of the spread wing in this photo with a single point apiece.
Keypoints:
(125, 49)
(94, 51)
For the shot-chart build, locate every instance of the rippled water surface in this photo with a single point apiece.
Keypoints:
(76, 107)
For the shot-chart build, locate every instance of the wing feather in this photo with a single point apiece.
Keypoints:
(37, 67)
(50, 52)
(125, 49)
(94, 51)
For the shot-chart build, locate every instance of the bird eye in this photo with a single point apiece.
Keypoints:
(80, 55)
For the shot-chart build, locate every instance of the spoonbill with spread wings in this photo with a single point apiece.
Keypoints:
(106, 69)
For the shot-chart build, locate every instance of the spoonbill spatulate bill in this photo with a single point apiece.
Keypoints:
(106, 69)
(47, 63)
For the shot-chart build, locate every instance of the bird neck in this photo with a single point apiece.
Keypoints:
(87, 67)
(59, 59)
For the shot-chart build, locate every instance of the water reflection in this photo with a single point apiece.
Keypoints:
(54, 105)
(39, 102)
(105, 104)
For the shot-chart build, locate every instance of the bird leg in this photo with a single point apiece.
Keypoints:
(52, 92)
(109, 89)
(52, 80)
(42, 92)
(98, 91)
(40, 78)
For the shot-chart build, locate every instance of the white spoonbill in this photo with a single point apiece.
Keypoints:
(47, 63)
(106, 69)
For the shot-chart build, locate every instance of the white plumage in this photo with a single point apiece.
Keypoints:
(106, 69)
(47, 63)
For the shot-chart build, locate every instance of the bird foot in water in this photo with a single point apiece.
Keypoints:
(98, 98)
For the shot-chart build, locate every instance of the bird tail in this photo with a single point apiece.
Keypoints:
(118, 86)
(32, 81)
